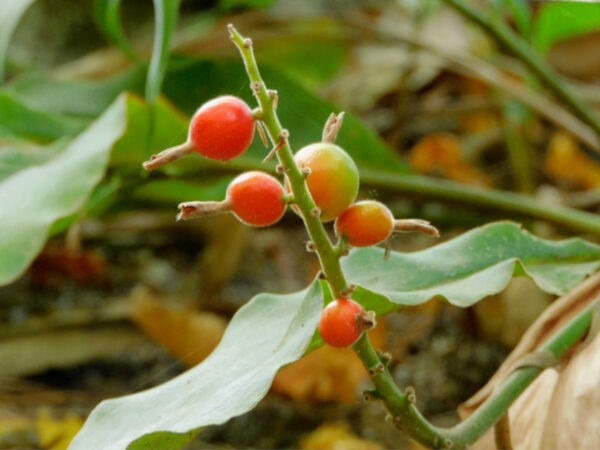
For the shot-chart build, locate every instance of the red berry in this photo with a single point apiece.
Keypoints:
(256, 198)
(222, 128)
(365, 223)
(339, 324)
(333, 178)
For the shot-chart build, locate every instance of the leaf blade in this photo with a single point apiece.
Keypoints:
(228, 383)
(472, 266)
(34, 198)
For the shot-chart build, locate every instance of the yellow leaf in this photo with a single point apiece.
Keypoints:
(56, 434)
(337, 436)
(566, 162)
(440, 154)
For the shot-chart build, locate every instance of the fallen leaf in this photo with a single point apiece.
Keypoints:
(189, 334)
(561, 408)
(566, 162)
(337, 436)
(441, 153)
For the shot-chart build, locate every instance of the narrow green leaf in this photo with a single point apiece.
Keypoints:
(558, 21)
(470, 267)
(165, 18)
(35, 198)
(87, 98)
(11, 12)
(264, 335)
(174, 191)
(21, 155)
(28, 122)
(108, 17)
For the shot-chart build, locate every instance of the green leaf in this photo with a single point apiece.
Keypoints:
(150, 128)
(165, 18)
(87, 98)
(11, 12)
(108, 17)
(557, 21)
(21, 155)
(25, 121)
(34, 198)
(472, 266)
(174, 191)
(192, 82)
(267, 333)
(228, 5)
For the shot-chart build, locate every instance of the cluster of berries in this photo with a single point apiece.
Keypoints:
(223, 129)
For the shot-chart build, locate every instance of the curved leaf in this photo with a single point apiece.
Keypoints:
(11, 12)
(108, 17)
(86, 98)
(267, 333)
(472, 266)
(165, 18)
(34, 198)
(30, 122)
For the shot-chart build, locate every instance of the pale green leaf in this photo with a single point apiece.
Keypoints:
(34, 198)
(470, 267)
(11, 12)
(264, 335)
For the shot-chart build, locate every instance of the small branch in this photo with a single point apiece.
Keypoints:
(412, 225)
(168, 156)
(332, 127)
(197, 210)
(268, 100)
(407, 417)
(533, 60)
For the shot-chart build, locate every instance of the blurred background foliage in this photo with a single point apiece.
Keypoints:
(443, 122)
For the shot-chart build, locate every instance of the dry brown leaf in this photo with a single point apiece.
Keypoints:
(566, 162)
(440, 153)
(561, 409)
(327, 374)
(337, 436)
(191, 335)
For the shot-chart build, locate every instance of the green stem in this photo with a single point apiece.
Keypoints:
(408, 418)
(401, 405)
(538, 65)
(328, 257)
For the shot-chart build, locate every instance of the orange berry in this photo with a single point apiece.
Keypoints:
(222, 128)
(365, 223)
(339, 322)
(256, 198)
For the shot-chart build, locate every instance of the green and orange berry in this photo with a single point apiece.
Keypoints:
(340, 322)
(365, 223)
(332, 177)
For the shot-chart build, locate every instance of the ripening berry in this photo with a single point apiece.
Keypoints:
(333, 177)
(222, 128)
(256, 198)
(365, 223)
(339, 324)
